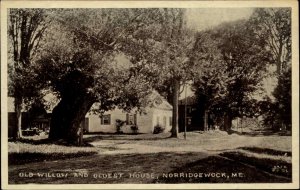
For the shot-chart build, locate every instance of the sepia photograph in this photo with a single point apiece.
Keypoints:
(149, 94)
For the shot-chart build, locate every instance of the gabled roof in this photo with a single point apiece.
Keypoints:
(155, 100)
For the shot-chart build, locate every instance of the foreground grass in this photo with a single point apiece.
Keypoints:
(20, 152)
(273, 164)
(257, 158)
(230, 171)
(95, 167)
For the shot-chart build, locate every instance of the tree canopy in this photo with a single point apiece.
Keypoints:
(234, 62)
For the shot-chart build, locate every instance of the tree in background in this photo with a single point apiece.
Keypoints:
(160, 51)
(233, 70)
(210, 78)
(273, 26)
(277, 113)
(25, 30)
(283, 96)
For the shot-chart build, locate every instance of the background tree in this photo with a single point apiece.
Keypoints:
(25, 30)
(210, 78)
(161, 52)
(273, 25)
(277, 113)
(233, 72)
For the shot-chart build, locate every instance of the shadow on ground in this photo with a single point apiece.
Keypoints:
(136, 137)
(260, 132)
(134, 169)
(216, 169)
(267, 151)
(46, 141)
(98, 165)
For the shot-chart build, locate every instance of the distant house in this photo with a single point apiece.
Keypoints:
(157, 111)
(193, 118)
(35, 117)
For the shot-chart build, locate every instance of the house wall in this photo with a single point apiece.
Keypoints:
(94, 124)
(196, 116)
(145, 121)
(158, 118)
(12, 123)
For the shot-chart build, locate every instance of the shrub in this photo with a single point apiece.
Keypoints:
(134, 128)
(119, 125)
(158, 129)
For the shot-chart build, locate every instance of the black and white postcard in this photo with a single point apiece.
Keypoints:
(149, 94)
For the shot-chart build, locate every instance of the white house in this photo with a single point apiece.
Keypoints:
(157, 111)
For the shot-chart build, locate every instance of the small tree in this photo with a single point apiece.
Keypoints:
(26, 28)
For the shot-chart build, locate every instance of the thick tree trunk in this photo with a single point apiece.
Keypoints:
(174, 130)
(227, 122)
(205, 121)
(18, 126)
(67, 117)
(279, 61)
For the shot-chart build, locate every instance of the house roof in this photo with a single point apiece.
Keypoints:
(191, 100)
(155, 100)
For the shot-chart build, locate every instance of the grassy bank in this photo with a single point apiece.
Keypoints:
(215, 169)
(21, 152)
(274, 164)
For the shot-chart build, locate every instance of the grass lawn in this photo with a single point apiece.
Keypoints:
(25, 152)
(148, 158)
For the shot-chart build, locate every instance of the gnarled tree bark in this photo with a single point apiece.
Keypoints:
(67, 117)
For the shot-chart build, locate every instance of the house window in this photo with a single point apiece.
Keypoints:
(189, 110)
(165, 121)
(86, 124)
(131, 119)
(105, 119)
(170, 121)
(189, 121)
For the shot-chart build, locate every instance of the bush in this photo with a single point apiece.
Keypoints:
(158, 129)
(134, 128)
(119, 125)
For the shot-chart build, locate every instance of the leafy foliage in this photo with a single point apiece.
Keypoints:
(273, 27)
(119, 125)
(233, 63)
(25, 30)
(158, 129)
(277, 113)
(83, 60)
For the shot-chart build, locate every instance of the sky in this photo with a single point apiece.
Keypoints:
(205, 18)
